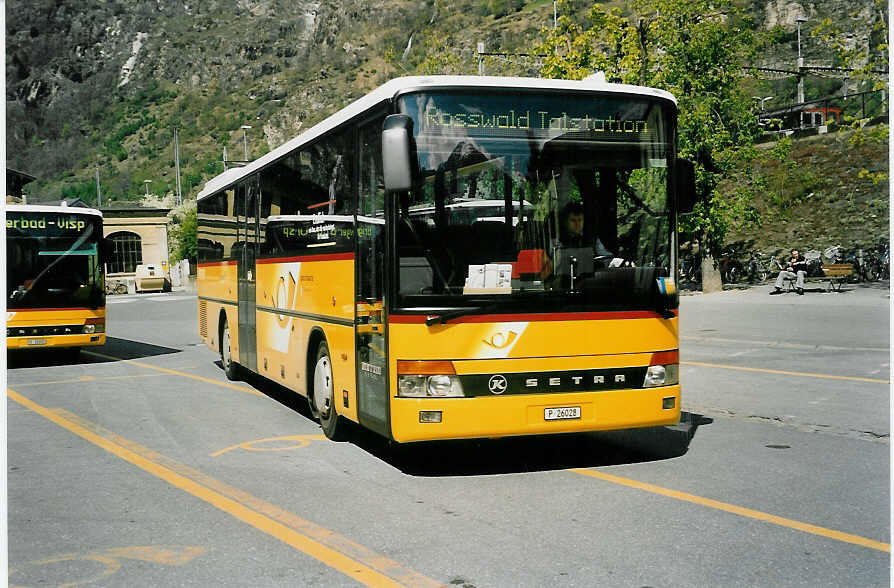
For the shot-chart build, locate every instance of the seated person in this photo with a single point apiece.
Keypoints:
(574, 245)
(795, 269)
(572, 235)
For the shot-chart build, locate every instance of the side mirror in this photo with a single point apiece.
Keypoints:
(398, 154)
(685, 185)
(105, 250)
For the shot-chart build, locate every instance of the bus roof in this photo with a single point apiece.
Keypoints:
(397, 86)
(52, 209)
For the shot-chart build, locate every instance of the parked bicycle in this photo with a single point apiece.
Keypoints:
(814, 263)
(115, 287)
(757, 268)
(877, 262)
(690, 269)
(868, 263)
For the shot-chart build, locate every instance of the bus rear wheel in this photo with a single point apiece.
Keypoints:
(231, 368)
(324, 395)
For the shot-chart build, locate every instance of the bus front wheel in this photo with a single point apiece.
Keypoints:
(231, 368)
(324, 395)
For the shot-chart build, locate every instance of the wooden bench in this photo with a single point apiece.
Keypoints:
(834, 273)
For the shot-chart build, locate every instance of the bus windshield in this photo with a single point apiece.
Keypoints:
(52, 260)
(532, 201)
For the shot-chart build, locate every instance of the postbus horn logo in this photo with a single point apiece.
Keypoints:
(497, 384)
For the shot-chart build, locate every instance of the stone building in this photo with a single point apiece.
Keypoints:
(137, 236)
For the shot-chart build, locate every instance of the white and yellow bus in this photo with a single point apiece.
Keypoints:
(55, 294)
(404, 264)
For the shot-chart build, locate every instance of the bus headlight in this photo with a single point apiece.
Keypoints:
(445, 386)
(411, 386)
(664, 371)
(428, 379)
(438, 386)
(94, 325)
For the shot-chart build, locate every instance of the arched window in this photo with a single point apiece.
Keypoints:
(126, 252)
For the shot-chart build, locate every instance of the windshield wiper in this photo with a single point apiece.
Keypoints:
(434, 319)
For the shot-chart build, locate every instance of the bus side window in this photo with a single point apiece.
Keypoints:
(327, 166)
(370, 206)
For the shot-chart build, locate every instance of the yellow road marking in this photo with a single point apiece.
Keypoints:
(176, 373)
(86, 379)
(340, 553)
(738, 510)
(110, 558)
(785, 373)
(303, 441)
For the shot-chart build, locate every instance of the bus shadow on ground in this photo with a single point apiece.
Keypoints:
(538, 453)
(114, 350)
(533, 453)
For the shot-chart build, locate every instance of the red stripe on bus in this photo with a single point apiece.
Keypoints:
(215, 263)
(530, 318)
(321, 257)
(53, 309)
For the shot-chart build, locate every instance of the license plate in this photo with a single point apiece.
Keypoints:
(561, 413)
(37, 341)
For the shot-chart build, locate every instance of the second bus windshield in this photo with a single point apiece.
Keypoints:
(52, 261)
(538, 199)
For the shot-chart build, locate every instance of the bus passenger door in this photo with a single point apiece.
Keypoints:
(372, 373)
(372, 388)
(248, 236)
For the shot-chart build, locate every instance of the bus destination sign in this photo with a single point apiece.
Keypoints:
(537, 121)
(46, 224)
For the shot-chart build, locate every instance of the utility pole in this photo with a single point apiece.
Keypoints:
(245, 142)
(799, 20)
(225, 158)
(177, 166)
(98, 191)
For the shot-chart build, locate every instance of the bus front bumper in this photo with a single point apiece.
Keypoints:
(49, 341)
(417, 419)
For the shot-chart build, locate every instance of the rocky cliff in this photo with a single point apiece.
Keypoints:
(102, 83)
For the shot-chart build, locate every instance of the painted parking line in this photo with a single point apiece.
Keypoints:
(111, 560)
(738, 510)
(786, 373)
(176, 373)
(295, 442)
(83, 379)
(340, 553)
(780, 344)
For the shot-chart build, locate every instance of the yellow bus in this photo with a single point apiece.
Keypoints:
(54, 278)
(409, 263)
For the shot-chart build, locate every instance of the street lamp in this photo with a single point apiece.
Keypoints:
(147, 182)
(245, 141)
(761, 101)
(760, 105)
(799, 20)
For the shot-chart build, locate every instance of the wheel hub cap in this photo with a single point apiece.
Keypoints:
(323, 386)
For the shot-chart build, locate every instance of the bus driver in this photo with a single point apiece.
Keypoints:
(572, 235)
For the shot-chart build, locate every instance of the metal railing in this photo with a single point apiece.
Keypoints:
(869, 107)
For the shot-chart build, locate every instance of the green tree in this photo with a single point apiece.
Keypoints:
(694, 49)
(183, 234)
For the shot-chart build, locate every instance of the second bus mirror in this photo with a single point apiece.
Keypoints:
(106, 249)
(685, 172)
(398, 155)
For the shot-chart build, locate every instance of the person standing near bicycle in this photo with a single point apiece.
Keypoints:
(795, 269)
